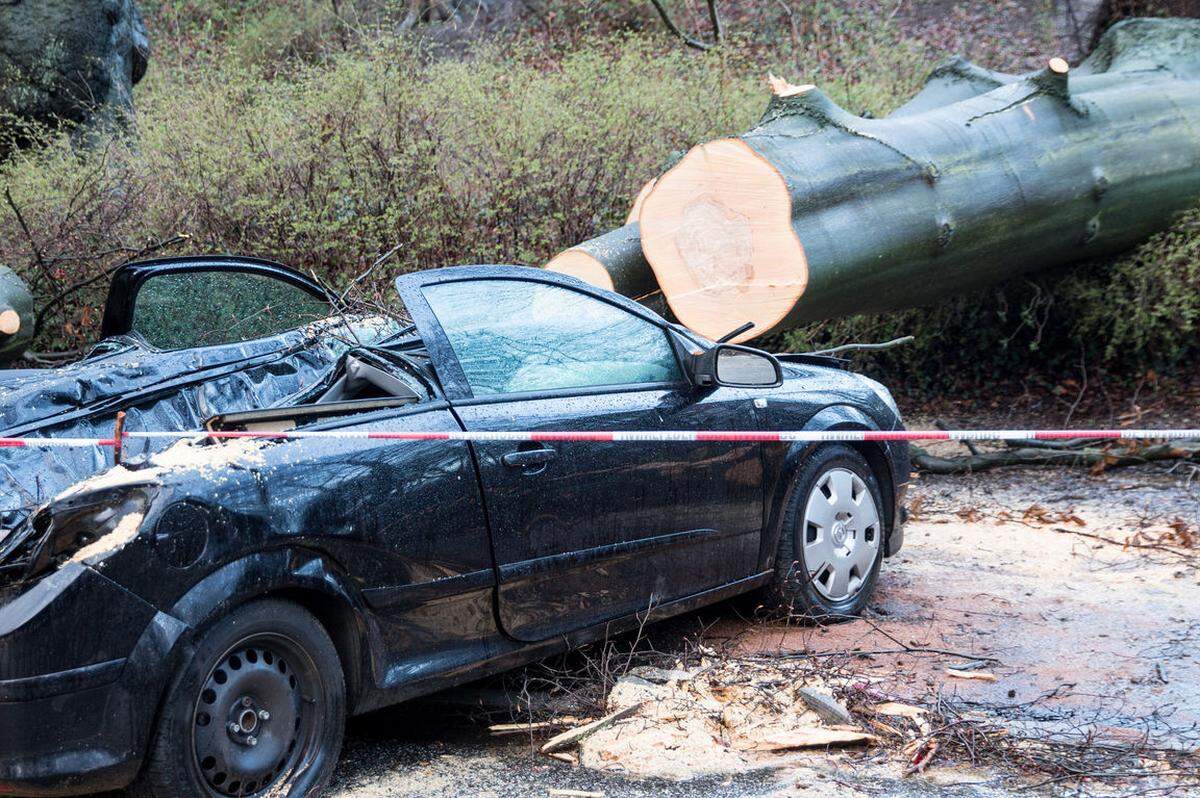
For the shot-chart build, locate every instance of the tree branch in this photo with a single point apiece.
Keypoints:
(865, 347)
(37, 253)
(715, 18)
(1095, 458)
(675, 29)
(84, 283)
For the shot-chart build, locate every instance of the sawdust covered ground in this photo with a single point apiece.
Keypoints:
(1085, 637)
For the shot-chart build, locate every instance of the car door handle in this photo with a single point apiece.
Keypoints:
(529, 458)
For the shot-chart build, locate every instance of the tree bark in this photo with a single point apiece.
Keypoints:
(613, 261)
(953, 80)
(816, 213)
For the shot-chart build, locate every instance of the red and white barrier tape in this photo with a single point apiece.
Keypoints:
(729, 436)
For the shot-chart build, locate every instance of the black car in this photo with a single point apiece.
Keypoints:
(200, 621)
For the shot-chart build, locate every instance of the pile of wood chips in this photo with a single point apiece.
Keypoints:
(723, 716)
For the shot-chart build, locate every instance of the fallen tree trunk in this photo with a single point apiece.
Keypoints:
(954, 80)
(817, 213)
(613, 261)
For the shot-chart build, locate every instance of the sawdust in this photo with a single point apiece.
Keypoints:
(208, 460)
(720, 718)
(204, 459)
(124, 533)
(116, 477)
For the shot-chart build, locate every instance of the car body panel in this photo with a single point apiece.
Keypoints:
(647, 502)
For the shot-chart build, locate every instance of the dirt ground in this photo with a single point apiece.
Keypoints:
(1092, 643)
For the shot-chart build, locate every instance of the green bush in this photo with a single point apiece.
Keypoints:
(506, 157)
(1145, 308)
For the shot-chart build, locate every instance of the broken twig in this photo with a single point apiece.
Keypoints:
(575, 736)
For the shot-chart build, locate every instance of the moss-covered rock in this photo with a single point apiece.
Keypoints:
(69, 60)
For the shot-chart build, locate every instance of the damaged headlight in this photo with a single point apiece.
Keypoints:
(81, 527)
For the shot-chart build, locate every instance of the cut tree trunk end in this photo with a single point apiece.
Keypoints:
(636, 210)
(717, 229)
(16, 315)
(10, 322)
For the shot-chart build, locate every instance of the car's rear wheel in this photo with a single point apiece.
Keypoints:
(258, 707)
(831, 543)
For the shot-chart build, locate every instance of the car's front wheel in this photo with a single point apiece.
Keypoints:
(258, 707)
(831, 543)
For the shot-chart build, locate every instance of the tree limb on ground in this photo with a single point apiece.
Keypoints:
(1092, 457)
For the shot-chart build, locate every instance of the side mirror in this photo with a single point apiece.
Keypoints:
(736, 367)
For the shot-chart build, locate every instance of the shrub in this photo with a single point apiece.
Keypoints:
(1145, 308)
(507, 157)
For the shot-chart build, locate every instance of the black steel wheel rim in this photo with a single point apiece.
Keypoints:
(258, 716)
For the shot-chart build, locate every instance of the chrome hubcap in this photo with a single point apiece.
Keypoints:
(840, 533)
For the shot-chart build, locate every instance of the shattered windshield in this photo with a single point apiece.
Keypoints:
(513, 336)
(209, 308)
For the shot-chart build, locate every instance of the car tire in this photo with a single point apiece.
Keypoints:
(832, 539)
(257, 706)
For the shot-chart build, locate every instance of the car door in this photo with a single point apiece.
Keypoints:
(584, 531)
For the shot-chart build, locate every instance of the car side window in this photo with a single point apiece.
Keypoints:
(181, 310)
(513, 336)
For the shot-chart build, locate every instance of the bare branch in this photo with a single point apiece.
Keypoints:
(378, 262)
(865, 347)
(1096, 458)
(37, 253)
(715, 18)
(84, 283)
(671, 26)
